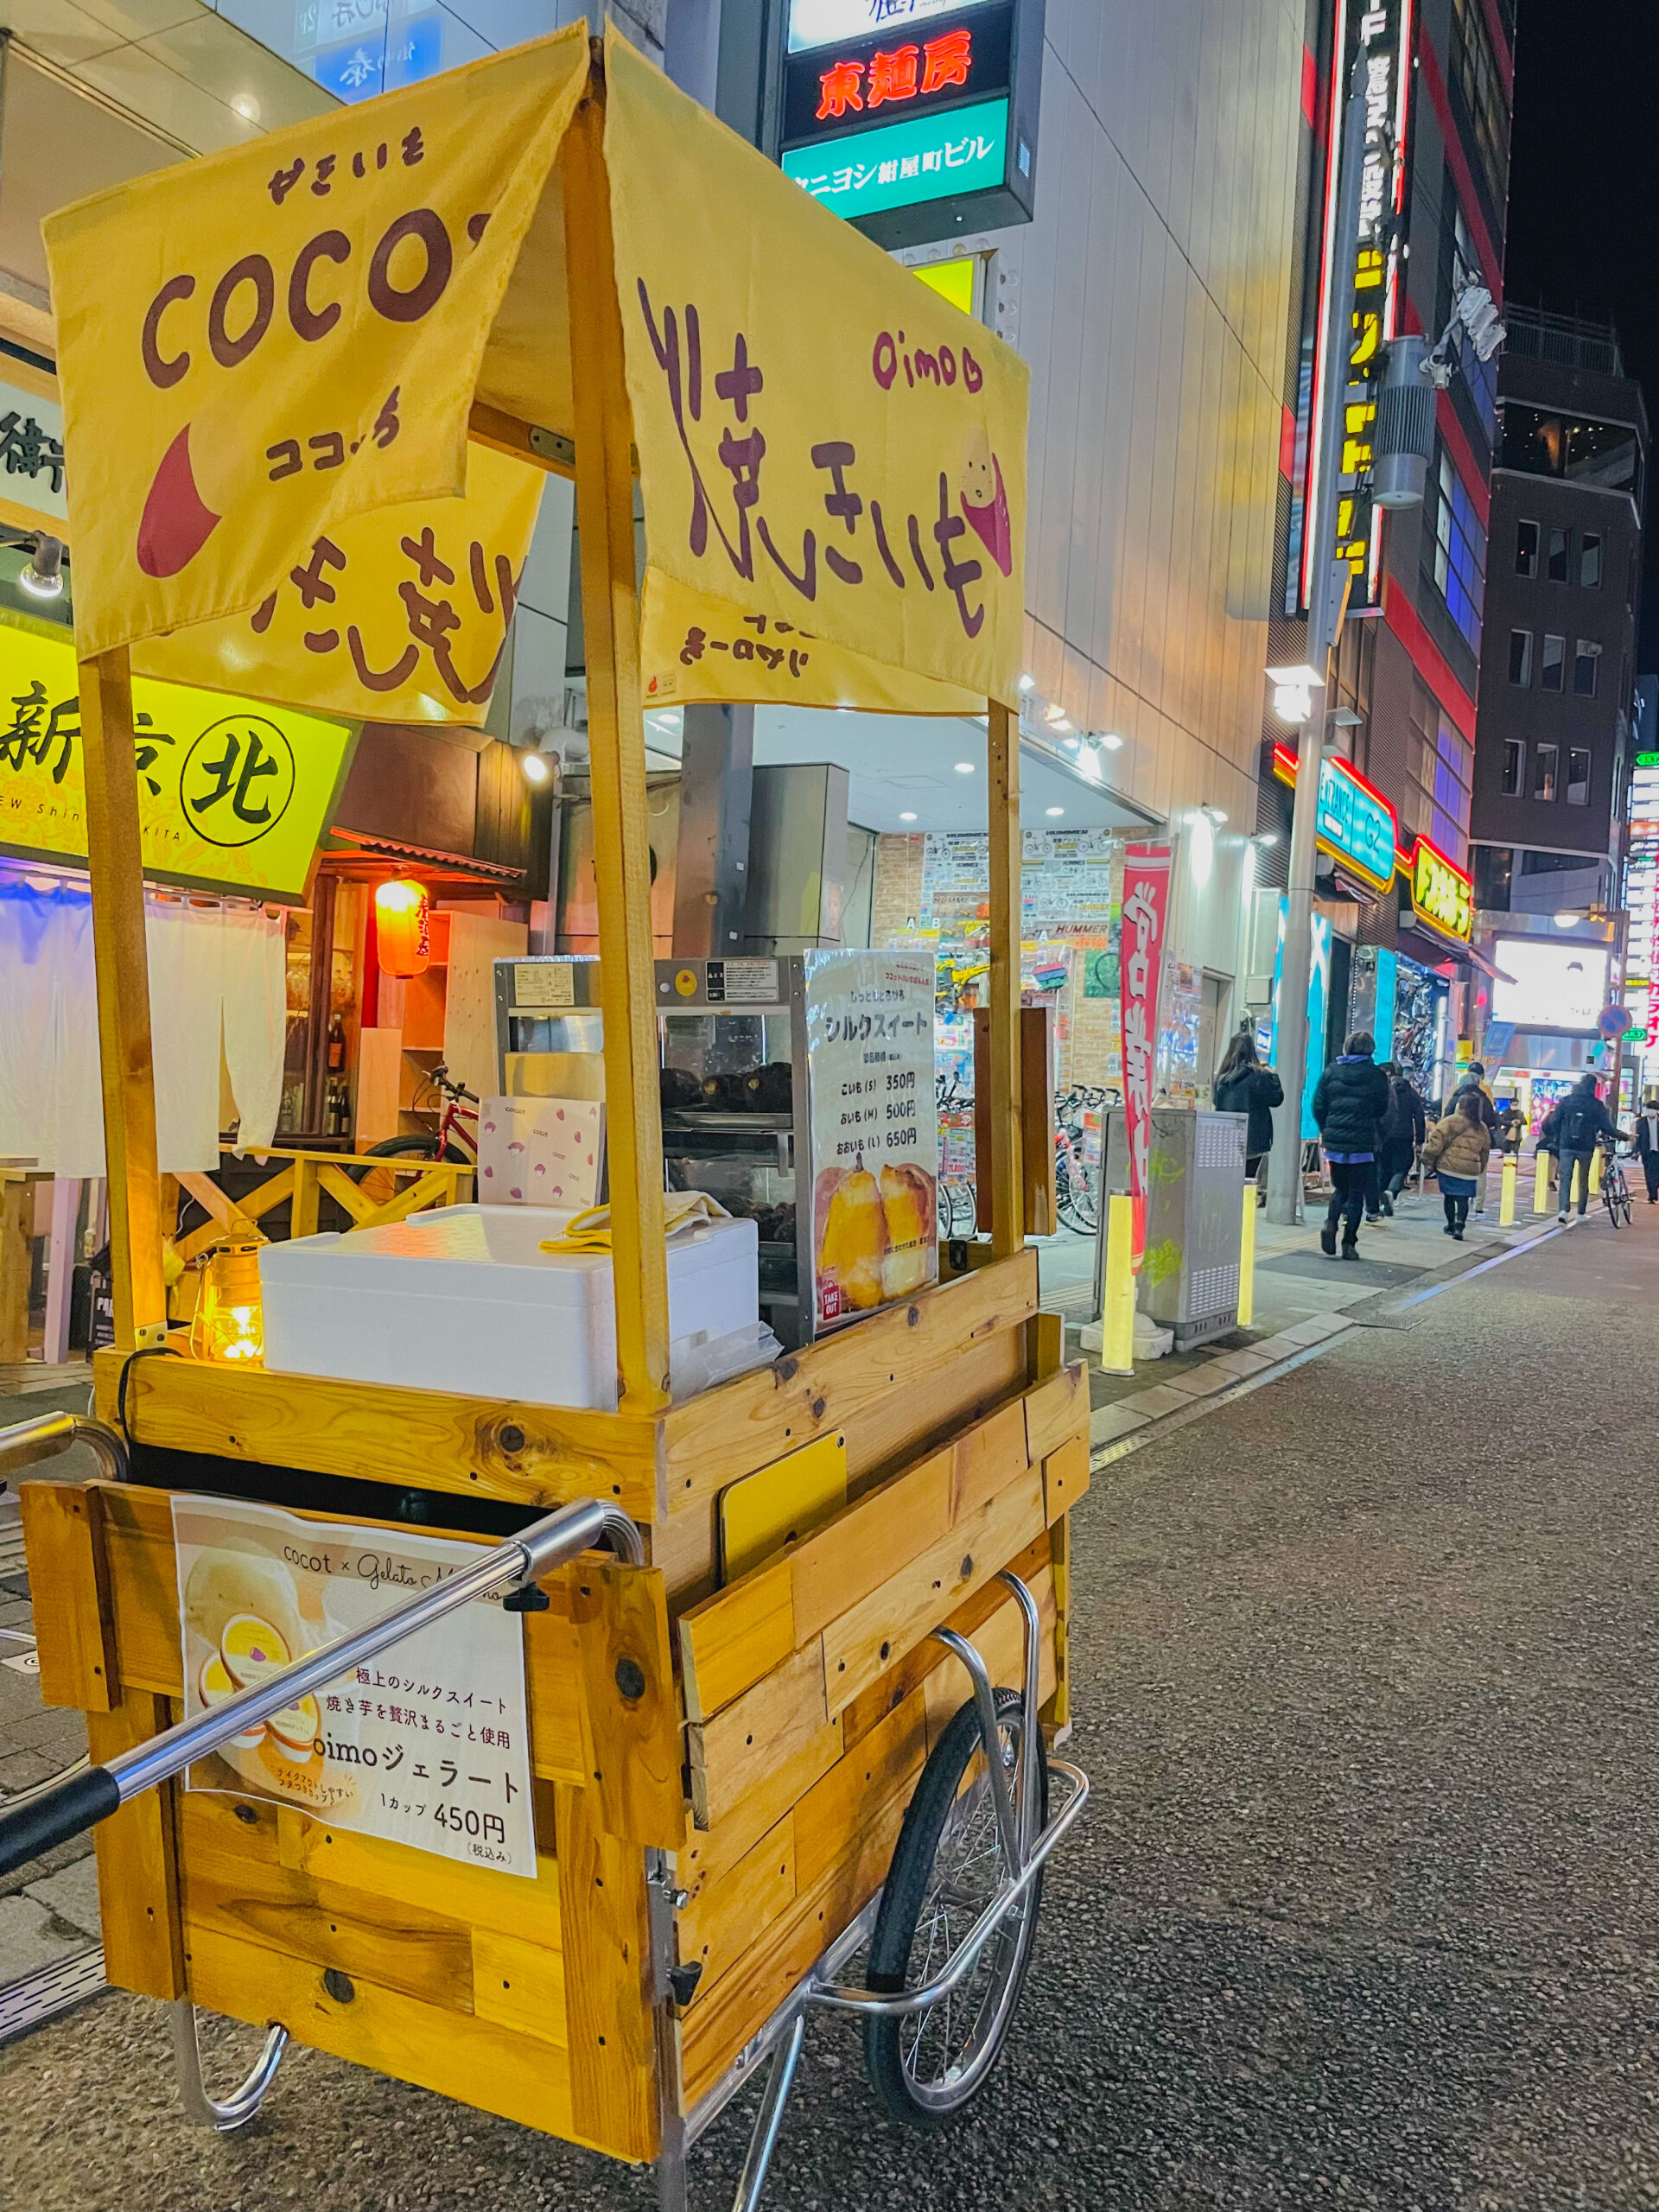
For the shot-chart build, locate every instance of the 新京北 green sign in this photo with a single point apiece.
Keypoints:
(924, 157)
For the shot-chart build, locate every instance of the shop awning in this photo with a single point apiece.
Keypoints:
(258, 348)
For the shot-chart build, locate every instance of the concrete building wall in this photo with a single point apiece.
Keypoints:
(1150, 296)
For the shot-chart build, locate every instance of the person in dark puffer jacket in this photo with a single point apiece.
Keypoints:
(1349, 1100)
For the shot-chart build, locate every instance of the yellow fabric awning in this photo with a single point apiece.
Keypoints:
(258, 348)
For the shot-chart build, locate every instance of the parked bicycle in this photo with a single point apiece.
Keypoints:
(1077, 1174)
(1615, 1190)
(455, 1137)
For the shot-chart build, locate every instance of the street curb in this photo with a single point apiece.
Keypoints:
(1118, 1429)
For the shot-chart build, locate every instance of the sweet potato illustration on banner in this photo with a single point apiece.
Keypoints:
(245, 369)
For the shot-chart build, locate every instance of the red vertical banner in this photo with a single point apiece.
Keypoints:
(1140, 964)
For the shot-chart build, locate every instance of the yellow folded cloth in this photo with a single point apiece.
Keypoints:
(591, 1231)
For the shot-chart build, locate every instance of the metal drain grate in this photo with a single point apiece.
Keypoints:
(42, 1996)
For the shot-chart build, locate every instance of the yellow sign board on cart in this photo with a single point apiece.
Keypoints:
(232, 796)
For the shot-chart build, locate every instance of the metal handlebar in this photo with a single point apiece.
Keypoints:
(81, 1800)
(47, 1434)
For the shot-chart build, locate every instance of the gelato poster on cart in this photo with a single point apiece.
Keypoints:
(428, 1744)
(875, 1136)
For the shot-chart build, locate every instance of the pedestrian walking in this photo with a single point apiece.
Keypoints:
(1243, 1085)
(1405, 1124)
(1473, 1079)
(1572, 1128)
(1647, 1147)
(1457, 1150)
(1350, 1099)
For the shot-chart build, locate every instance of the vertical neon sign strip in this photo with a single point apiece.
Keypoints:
(1327, 258)
(1391, 296)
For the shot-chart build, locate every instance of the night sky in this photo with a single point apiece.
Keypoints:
(1584, 189)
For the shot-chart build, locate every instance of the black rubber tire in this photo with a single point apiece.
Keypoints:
(902, 1900)
(417, 1146)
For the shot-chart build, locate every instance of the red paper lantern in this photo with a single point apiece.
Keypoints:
(401, 935)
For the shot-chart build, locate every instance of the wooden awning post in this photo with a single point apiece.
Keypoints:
(617, 765)
(1006, 1163)
(115, 865)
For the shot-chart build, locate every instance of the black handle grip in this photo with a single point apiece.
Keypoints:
(57, 1813)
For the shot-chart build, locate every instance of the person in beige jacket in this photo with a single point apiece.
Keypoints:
(1456, 1151)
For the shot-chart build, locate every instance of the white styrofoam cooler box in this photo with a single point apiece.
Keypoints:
(460, 1299)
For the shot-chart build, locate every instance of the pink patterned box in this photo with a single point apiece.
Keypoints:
(541, 1152)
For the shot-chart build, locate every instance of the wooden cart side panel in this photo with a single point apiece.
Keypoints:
(742, 1906)
(731, 1640)
(871, 1706)
(63, 1535)
(490, 1903)
(519, 2076)
(143, 1597)
(1001, 1643)
(608, 2012)
(525, 1455)
(918, 1416)
(1065, 1478)
(733, 1753)
(713, 2032)
(1057, 1410)
(909, 1605)
(138, 1896)
(235, 1885)
(708, 1854)
(841, 1383)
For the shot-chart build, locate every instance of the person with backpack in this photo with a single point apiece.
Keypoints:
(1456, 1151)
(1350, 1099)
(1472, 1082)
(1405, 1124)
(1243, 1085)
(1574, 1127)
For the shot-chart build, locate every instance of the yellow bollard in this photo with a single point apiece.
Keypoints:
(1247, 1260)
(1117, 1313)
(1541, 1182)
(1595, 1171)
(1506, 1201)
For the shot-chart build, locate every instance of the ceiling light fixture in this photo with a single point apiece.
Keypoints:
(906, 817)
(42, 574)
(247, 106)
(1054, 812)
(1026, 683)
(964, 767)
(536, 768)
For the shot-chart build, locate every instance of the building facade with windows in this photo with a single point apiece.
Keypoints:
(1409, 661)
(1562, 599)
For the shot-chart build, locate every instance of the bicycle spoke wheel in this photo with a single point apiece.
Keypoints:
(947, 1867)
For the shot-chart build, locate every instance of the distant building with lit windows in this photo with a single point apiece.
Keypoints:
(1563, 592)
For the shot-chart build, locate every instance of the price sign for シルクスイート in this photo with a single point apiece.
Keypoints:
(875, 1134)
(427, 1744)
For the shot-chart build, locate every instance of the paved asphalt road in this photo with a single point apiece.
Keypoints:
(1364, 1913)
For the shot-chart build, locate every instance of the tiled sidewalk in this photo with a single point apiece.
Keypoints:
(1301, 1297)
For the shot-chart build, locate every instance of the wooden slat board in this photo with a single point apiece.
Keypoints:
(863, 1381)
(527, 1455)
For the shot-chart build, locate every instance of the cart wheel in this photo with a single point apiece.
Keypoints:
(946, 1868)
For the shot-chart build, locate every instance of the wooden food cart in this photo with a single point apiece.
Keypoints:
(721, 1771)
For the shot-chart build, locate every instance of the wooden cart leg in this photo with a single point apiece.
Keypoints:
(114, 863)
(1006, 1161)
